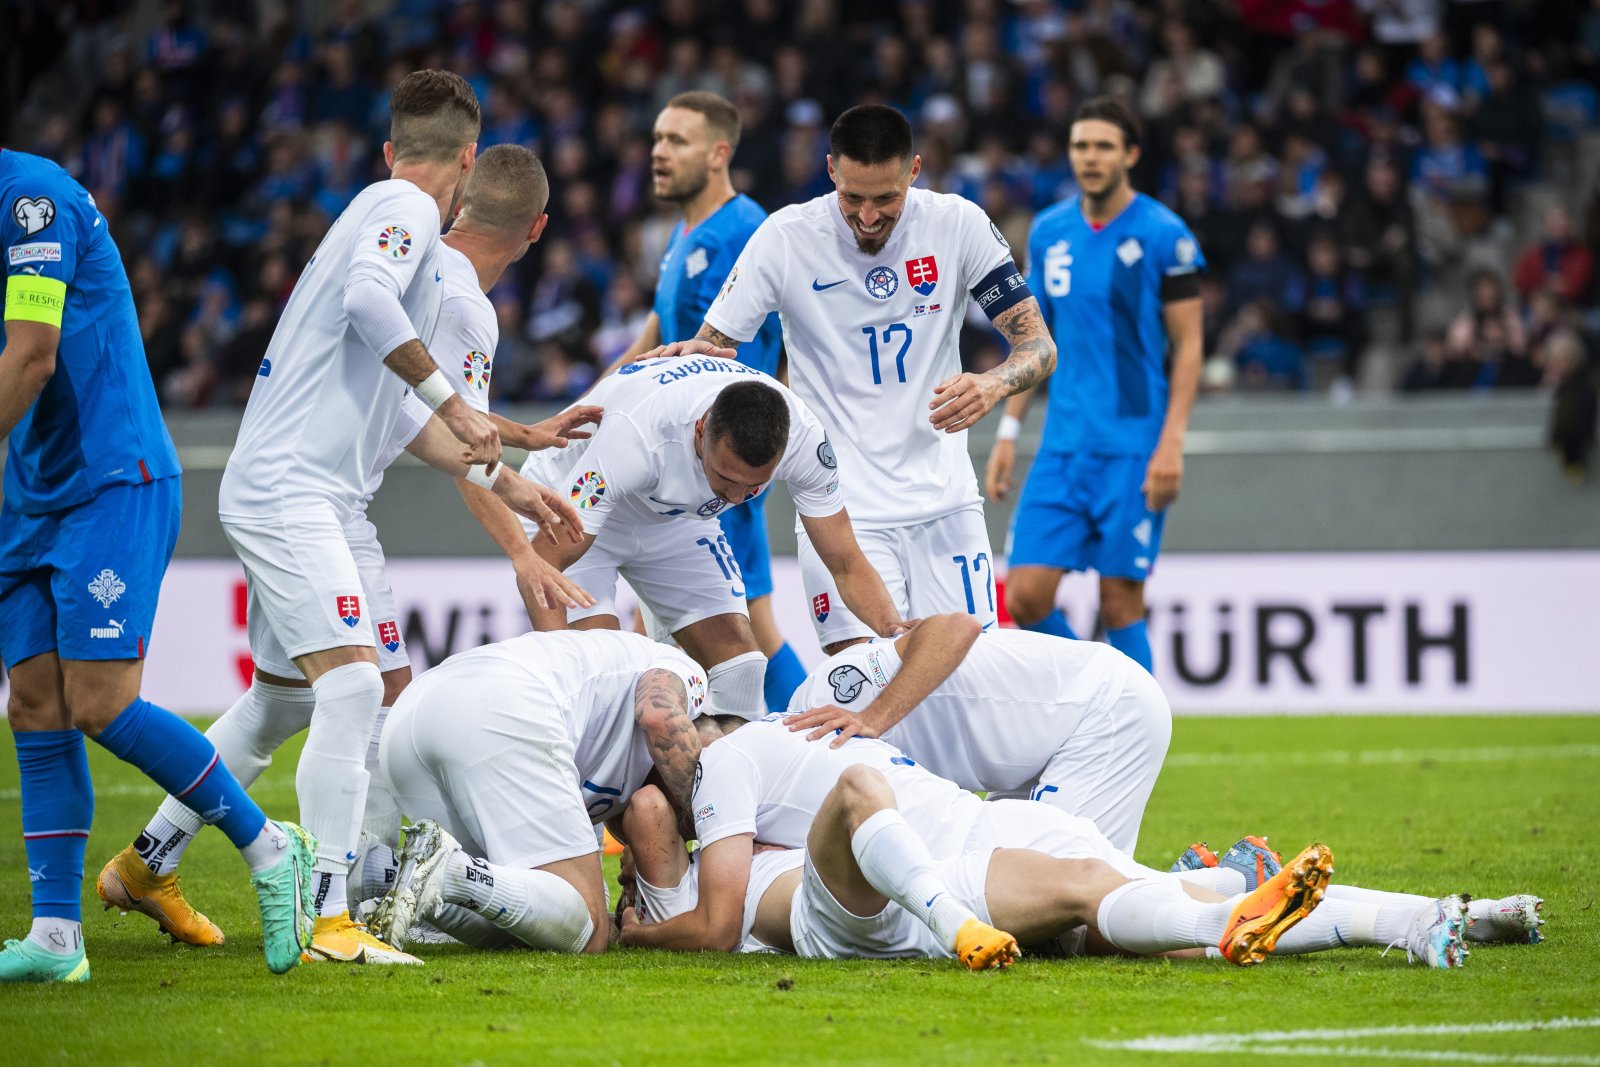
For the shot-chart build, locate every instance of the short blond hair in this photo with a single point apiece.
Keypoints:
(507, 190)
(433, 115)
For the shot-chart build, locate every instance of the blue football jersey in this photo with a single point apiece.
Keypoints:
(1101, 293)
(97, 423)
(693, 269)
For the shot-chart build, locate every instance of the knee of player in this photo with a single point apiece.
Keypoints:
(1121, 602)
(1079, 886)
(1027, 605)
(647, 812)
(863, 790)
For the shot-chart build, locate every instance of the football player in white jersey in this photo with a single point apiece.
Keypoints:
(872, 286)
(331, 391)
(509, 755)
(502, 214)
(880, 831)
(878, 828)
(681, 440)
(1074, 724)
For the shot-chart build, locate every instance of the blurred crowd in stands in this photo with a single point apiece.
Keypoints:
(1356, 170)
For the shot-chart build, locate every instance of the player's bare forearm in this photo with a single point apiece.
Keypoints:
(411, 362)
(660, 707)
(1186, 333)
(1033, 352)
(497, 520)
(933, 649)
(718, 916)
(860, 585)
(714, 336)
(26, 365)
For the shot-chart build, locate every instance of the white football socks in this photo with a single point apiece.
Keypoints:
(381, 817)
(540, 909)
(332, 778)
(374, 871)
(246, 736)
(895, 861)
(1149, 916)
(1224, 881)
(53, 934)
(267, 850)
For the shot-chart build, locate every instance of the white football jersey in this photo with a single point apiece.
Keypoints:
(658, 905)
(469, 330)
(999, 717)
(324, 408)
(767, 780)
(588, 678)
(869, 337)
(641, 464)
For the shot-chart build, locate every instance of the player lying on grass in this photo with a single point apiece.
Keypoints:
(683, 439)
(1074, 724)
(517, 750)
(762, 783)
(502, 214)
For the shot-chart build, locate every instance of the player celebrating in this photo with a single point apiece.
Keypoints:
(91, 513)
(502, 213)
(326, 407)
(517, 750)
(1119, 277)
(682, 439)
(694, 141)
(1074, 724)
(873, 284)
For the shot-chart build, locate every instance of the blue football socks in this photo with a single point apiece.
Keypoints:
(1133, 641)
(57, 809)
(785, 674)
(179, 759)
(1055, 624)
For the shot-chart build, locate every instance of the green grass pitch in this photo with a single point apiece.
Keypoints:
(1486, 805)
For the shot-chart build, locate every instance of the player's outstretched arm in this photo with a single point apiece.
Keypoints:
(718, 917)
(928, 654)
(1185, 330)
(26, 365)
(958, 403)
(661, 708)
(540, 584)
(473, 429)
(557, 431)
(859, 582)
(998, 476)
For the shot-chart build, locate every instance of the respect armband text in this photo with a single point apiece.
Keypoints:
(33, 298)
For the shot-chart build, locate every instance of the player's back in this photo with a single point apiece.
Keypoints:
(324, 404)
(868, 339)
(1101, 291)
(792, 777)
(97, 422)
(997, 719)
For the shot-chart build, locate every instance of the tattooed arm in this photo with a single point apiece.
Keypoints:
(661, 708)
(961, 401)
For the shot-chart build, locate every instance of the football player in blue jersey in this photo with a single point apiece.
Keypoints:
(1117, 275)
(694, 140)
(89, 520)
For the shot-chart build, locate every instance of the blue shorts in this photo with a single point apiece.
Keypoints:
(83, 582)
(1084, 511)
(745, 527)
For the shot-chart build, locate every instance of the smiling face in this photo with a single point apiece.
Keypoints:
(1100, 157)
(872, 196)
(682, 155)
(731, 478)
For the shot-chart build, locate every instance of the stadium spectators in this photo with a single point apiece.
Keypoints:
(1336, 159)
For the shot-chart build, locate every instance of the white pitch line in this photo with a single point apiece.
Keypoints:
(142, 789)
(1384, 756)
(1297, 1043)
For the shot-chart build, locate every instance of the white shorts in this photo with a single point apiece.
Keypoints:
(1108, 767)
(362, 538)
(823, 928)
(682, 570)
(303, 582)
(501, 779)
(930, 569)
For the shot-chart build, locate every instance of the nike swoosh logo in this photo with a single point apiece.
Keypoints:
(438, 277)
(929, 902)
(816, 283)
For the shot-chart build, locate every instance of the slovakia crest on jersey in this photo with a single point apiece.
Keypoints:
(389, 635)
(475, 369)
(882, 283)
(396, 241)
(923, 274)
(348, 608)
(819, 607)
